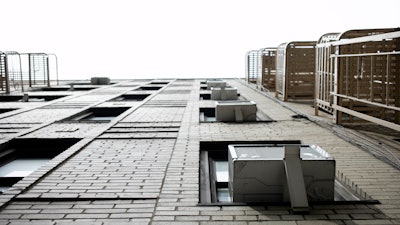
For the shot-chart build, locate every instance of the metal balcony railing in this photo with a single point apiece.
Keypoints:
(20, 71)
(358, 77)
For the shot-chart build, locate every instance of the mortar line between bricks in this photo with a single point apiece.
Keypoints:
(82, 146)
(78, 199)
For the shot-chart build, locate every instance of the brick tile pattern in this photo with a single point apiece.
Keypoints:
(165, 169)
(156, 114)
(75, 212)
(66, 130)
(110, 169)
(40, 116)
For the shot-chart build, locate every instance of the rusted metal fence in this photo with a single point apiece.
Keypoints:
(295, 70)
(267, 62)
(358, 76)
(19, 71)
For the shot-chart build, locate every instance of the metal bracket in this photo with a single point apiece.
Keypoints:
(295, 179)
(238, 114)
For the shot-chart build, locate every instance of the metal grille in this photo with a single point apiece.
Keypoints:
(295, 69)
(252, 66)
(358, 77)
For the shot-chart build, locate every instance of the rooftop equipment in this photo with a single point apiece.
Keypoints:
(100, 81)
(281, 173)
(235, 111)
(224, 93)
(215, 83)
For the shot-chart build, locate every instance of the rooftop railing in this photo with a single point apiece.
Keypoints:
(20, 71)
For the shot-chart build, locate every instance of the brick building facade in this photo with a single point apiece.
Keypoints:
(129, 153)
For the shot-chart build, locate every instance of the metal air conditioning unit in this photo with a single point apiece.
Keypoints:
(224, 93)
(100, 81)
(215, 83)
(281, 173)
(235, 111)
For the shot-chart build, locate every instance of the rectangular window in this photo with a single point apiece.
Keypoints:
(6, 110)
(70, 88)
(29, 98)
(148, 88)
(98, 114)
(159, 82)
(131, 97)
(214, 176)
(207, 115)
(205, 96)
(21, 157)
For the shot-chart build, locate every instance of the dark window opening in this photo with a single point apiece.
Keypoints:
(29, 98)
(159, 82)
(203, 87)
(21, 157)
(214, 177)
(148, 88)
(207, 115)
(131, 97)
(71, 88)
(205, 96)
(88, 83)
(99, 114)
(6, 110)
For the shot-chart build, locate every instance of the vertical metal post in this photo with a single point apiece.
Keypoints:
(20, 71)
(387, 79)
(372, 80)
(7, 77)
(335, 85)
(295, 179)
(317, 79)
(30, 69)
(47, 70)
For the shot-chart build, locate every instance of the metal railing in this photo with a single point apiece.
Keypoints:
(358, 79)
(295, 70)
(253, 69)
(267, 68)
(19, 71)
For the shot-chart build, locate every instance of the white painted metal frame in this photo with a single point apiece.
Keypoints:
(252, 66)
(329, 96)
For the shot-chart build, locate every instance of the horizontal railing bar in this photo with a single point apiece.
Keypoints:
(365, 54)
(367, 102)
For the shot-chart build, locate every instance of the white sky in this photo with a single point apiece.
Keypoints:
(175, 38)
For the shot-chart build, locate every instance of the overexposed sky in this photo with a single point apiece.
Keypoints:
(175, 38)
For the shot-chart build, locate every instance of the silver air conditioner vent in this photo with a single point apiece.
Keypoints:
(224, 93)
(281, 173)
(235, 111)
(215, 83)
